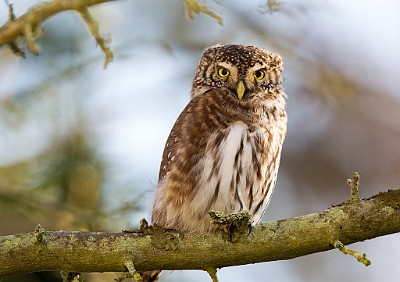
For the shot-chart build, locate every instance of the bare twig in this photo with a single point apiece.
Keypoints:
(213, 274)
(27, 26)
(40, 234)
(13, 45)
(31, 35)
(132, 271)
(193, 6)
(71, 276)
(94, 30)
(361, 258)
(354, 185)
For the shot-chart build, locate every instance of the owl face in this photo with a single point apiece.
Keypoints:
(244, 71)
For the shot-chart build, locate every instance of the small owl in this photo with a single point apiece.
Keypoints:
(224, 150)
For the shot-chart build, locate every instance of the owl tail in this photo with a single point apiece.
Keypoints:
(151, 276)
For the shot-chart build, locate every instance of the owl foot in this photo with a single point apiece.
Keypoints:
(234, 226)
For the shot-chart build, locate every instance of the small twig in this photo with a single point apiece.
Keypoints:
(212, 271)
(71, 276)
(192, 6)
(145, 228)
(132, 271)
(13, 45)
(94, 30)
(39, 234)
(11, 15)
(361, 258)
(30, 38)
(354, 185)
(123, 277)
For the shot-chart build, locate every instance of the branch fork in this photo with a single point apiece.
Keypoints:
(28, 27)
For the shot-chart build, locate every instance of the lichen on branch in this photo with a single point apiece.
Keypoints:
(79, 252)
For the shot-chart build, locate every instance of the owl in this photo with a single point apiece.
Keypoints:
(224, 150)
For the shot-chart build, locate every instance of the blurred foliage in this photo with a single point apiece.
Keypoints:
(193, 6)
(59, 187)
(343, 111)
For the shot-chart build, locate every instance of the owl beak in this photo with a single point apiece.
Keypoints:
(240, 89)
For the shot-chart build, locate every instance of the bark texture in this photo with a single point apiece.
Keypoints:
(152, 249)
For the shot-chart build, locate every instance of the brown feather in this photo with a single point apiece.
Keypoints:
(223, 152)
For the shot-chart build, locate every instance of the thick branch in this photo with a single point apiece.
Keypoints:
(350, 222)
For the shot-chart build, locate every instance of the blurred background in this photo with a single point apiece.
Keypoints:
(80, 146)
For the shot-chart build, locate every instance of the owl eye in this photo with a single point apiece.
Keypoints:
(223, 72)
(259, 74)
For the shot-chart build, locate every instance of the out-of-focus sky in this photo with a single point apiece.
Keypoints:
(342, 66)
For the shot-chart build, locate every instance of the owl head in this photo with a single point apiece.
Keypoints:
(244, 71)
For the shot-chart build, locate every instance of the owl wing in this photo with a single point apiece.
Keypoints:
(188, 138)
(181, 167)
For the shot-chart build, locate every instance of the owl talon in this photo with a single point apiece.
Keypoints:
(232, 225)
(250, 228)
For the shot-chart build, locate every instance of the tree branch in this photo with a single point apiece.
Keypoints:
(151, 249)
(28, 25)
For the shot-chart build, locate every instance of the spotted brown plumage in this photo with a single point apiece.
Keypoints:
(223, 152)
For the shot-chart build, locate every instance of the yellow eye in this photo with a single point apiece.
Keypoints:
(223, 72)
(259, 74)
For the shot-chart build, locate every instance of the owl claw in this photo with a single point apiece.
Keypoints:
(233, 231)
(250, 228)
(232, 225)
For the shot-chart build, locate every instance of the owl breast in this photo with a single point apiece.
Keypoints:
(219, 158)
(239, 174)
